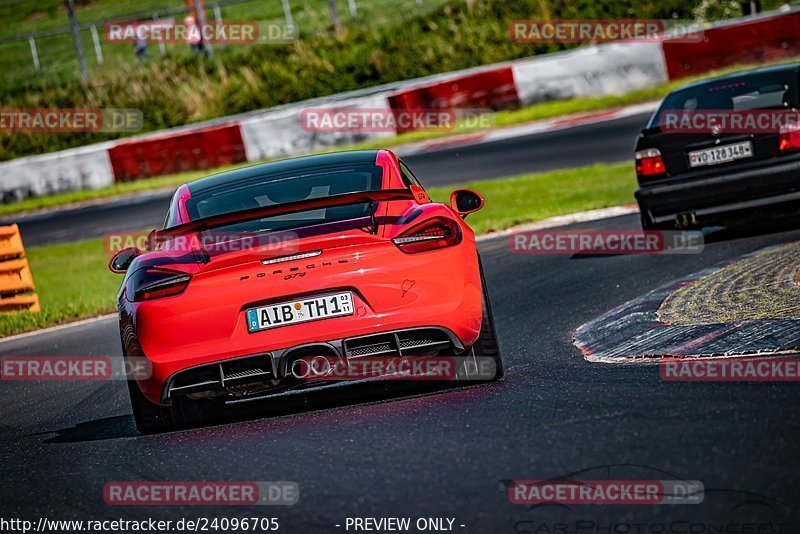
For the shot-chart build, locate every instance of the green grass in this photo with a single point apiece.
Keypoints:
(73, 280)
(545, 110)
(57, 52)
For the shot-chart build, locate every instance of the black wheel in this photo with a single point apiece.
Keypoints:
(486, 346)
(150, 417)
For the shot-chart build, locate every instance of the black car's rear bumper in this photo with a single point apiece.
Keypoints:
(710, 197)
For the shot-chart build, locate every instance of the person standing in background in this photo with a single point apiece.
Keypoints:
(193, 36)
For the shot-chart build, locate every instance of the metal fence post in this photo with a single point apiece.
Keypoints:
(162, 48)
(201, 23)
(287, 12)
(96, 40)
(34, 52)
(337, 25)
(76, 39)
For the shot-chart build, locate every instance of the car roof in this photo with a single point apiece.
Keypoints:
(735, 75)
(282, 167)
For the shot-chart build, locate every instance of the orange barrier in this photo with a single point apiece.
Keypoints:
(15, 274)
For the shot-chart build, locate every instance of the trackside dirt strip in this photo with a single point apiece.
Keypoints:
(635, 331)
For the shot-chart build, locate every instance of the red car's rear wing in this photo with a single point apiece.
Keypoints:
(253, 214)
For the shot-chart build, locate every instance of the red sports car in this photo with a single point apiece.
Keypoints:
(341, 256)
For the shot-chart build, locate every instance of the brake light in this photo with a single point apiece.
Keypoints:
(432, 234)
(789, 138)
(153, 283)
(649, 163)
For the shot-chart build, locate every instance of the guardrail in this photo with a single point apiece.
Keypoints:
(16, 279)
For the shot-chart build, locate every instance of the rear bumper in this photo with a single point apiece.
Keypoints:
(275, 366)
(392, 292)
(713, 197)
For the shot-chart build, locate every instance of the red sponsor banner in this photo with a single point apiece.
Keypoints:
(605, 242)
(606, 492)
(603, 30)
(168, 31)
(731, 370)
(76, 368)
(726, 121)
(70, 120)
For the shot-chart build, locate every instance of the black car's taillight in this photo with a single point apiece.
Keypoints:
(649, 163)
(432, 234)
(789, 139)
(154, 283)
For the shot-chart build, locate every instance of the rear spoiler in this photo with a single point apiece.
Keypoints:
(253, 214)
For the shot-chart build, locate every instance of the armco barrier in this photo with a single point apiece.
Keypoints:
(281, 133)
(168, 153)
(611, 68)
(492, 88)
(68, 170)
(762, 38)
(15, 274)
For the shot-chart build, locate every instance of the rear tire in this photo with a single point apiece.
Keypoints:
(486, 346)
(151, 418)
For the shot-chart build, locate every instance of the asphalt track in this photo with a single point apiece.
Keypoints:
(445, 454)
(607, 141)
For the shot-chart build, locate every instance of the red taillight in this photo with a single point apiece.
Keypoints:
(789, 138)
(430, 235)
(153, 283)
(649, 163)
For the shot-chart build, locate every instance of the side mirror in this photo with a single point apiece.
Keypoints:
(122, 260)
(465, 201)
(151, 243)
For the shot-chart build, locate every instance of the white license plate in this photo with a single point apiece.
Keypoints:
(299, 311)
(720, 154)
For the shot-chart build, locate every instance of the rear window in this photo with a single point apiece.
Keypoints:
(283, 189)
(758, 91)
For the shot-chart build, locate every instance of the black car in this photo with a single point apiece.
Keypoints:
(722, 176)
